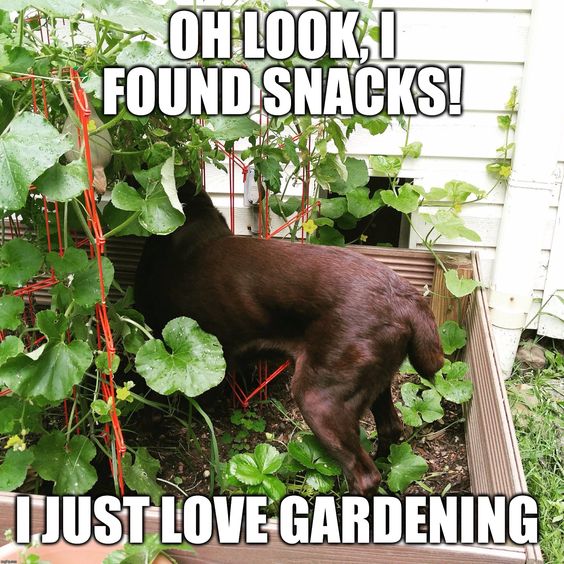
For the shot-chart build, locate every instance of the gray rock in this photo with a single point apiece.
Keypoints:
(531, 356)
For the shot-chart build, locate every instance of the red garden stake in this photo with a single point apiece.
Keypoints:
(239, 395)
(51, 216)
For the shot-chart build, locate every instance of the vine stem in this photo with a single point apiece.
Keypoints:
(83, 222)
(138, 325)
(123, 225)
(115, 120)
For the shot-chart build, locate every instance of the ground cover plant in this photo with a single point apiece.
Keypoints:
(54, 418)
(536, 398)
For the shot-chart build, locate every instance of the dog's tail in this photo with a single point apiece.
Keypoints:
(424, 350)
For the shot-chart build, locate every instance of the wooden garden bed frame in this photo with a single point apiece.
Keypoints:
(493, 456)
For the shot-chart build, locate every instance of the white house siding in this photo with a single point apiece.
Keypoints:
(488, 38)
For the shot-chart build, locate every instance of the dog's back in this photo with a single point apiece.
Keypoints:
(346, 320)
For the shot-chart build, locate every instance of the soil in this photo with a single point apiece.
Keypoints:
(185, 465)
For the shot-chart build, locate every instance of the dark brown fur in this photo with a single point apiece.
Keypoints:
(346, 321)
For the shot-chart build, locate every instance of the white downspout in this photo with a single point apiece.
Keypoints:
(540, 122)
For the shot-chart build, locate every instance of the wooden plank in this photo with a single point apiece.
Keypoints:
(493, 453)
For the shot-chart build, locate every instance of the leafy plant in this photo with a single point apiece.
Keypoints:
(248, 422)
(56, 357)
(255, 473)
(147, 552)
(403, 467)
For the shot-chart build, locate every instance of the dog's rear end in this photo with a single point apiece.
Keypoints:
(346, 321)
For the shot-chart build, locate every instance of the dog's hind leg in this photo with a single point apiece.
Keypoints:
(387, 422)
(335, 422)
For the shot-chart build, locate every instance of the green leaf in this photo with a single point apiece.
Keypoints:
(333, 207)
(290, 148)
(28, 147)
(320, 221)
(319, 482)
(11, 346)
(233, 128)
(330, 171)
(459, 287)
(275, 489)
(453, 337)
(113, 217)
(286, 207)
(141, 475)
(102, 362)
(244, 467)
(11, 309)
(374, 33)
(52, 376)
(452, 384)
(195, 364)
(63, 183)
(15, 59)
(308, 451)
(19, 261)
(374, 125)
(143, 553)
(388, 166)
(52, 7)
(68, 465)
(86, 283)
(360, 204)
(451, 225)
(92, 84)
(504, 122)
(72, 261)
(146, 54)
(17, 414)
(270, 168)
(326, 235)
(457, 191)
(413, 150)
(141, 15)
(406, 201)
(53, 325)
(13, 470)
(268, 459)
(357, 175)
(418, 408)
(160, 209)
(124, 197)
(406, 467)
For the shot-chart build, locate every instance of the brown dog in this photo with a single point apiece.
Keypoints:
(346, 321)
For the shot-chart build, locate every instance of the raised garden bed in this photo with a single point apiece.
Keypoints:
(494, 464)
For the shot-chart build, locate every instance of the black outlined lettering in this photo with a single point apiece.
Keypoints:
(112, 89)
(197, 513)
(356, 527)
(293, 524)
(110, 531)
(23, 519)
(167, 521)
(136, 505)
(523, 519)
(387, 34)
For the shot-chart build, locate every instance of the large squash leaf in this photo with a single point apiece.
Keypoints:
(194, 365)
(52, 376)
(68, 465)
(19, 261)
(28, 147)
